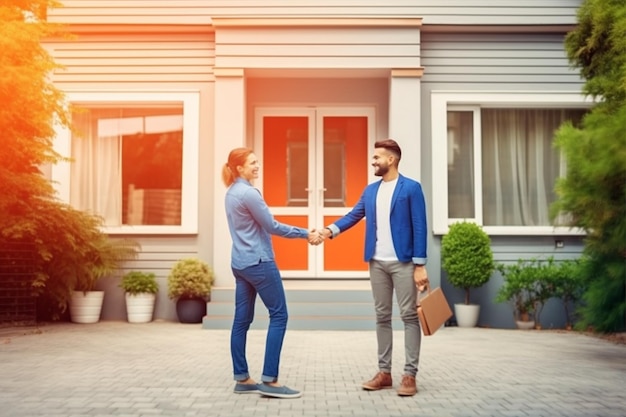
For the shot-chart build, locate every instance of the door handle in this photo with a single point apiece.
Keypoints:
(322, 190)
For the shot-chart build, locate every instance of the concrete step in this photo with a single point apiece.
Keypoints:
(309, 309)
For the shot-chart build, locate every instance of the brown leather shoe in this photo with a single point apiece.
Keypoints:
(408, 386)
(380, 381)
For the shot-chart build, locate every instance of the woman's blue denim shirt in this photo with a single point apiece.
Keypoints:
(251, 225)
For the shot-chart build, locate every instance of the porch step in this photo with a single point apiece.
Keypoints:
(309, 309)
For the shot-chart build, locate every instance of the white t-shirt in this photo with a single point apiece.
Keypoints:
(384, 243)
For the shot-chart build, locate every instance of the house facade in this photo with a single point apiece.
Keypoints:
(472, 91)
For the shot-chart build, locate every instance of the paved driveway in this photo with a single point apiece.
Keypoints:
(172, 369)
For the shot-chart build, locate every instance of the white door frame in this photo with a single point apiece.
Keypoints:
(315, 211)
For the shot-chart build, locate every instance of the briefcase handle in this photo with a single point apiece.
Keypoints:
(426, 287)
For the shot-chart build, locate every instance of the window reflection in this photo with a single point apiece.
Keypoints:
(128, 164)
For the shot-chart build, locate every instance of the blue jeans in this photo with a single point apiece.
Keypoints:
(263, 279)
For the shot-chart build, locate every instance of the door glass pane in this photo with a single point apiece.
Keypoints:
(297, 173)
(345, 168)
(460, 164)
(345, 173)
(286, 161)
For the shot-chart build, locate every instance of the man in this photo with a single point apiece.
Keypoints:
(395, 247)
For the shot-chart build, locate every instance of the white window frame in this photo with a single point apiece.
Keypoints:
(191, 121)
(441, 102)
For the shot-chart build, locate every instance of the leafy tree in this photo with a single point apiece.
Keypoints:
(30, 106)
(71, 250)
(594, 191)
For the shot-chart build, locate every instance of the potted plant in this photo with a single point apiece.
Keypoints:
(102, 256)
(468, 259)
(73, 253)
(140, 289)
(519, 289)
(189, 283)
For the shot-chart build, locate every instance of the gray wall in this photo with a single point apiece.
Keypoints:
(495, 62)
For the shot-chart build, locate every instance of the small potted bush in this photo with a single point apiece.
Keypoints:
(529, 284)
(189, 283)
(468, 259)
(519, 289)
(140, 290)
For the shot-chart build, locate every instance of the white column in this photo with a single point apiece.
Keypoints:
(404, 118)
(229, 133)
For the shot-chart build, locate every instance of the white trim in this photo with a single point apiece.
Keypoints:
(191, 133)
(441, 102)
(324, 22)
(60, 173)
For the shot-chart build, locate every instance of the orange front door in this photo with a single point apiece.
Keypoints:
(314, 167)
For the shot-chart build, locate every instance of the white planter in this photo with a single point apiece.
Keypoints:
(139, 307)
(85, 307)
(466, 314)
(525, 325)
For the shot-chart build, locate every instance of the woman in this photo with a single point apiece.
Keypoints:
(251, 225)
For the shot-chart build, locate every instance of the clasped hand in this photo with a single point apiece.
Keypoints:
(315, 237)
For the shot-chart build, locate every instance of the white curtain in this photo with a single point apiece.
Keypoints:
(461, 164)
(96, 168)
(520, 164)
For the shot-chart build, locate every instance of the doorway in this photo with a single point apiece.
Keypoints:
(315, 164)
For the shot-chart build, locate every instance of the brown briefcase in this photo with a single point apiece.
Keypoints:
(433, 310)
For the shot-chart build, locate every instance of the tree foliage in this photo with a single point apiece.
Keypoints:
(594, 191)
(597, 47)
(31, 105)
(72, 252)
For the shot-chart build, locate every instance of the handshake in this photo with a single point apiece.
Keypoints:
(317, 236)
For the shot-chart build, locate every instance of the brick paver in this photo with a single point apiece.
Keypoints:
(172, 369)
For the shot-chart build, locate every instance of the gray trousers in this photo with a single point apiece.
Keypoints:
(385, 276)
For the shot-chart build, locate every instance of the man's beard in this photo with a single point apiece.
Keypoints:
(382, 170)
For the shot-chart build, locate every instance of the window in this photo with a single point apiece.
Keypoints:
(128, 160)
(500, 162)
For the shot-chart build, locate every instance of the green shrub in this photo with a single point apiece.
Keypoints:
(72, 252)
(190, 278)
(136, 282)
(569, 286)
(519, 288)
(467, 256)
(529, 284)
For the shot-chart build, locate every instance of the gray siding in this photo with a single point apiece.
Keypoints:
(337, 47)
(496, 62)
(434, 12)
(138, 59)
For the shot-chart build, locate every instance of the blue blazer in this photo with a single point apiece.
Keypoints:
(408, 220)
